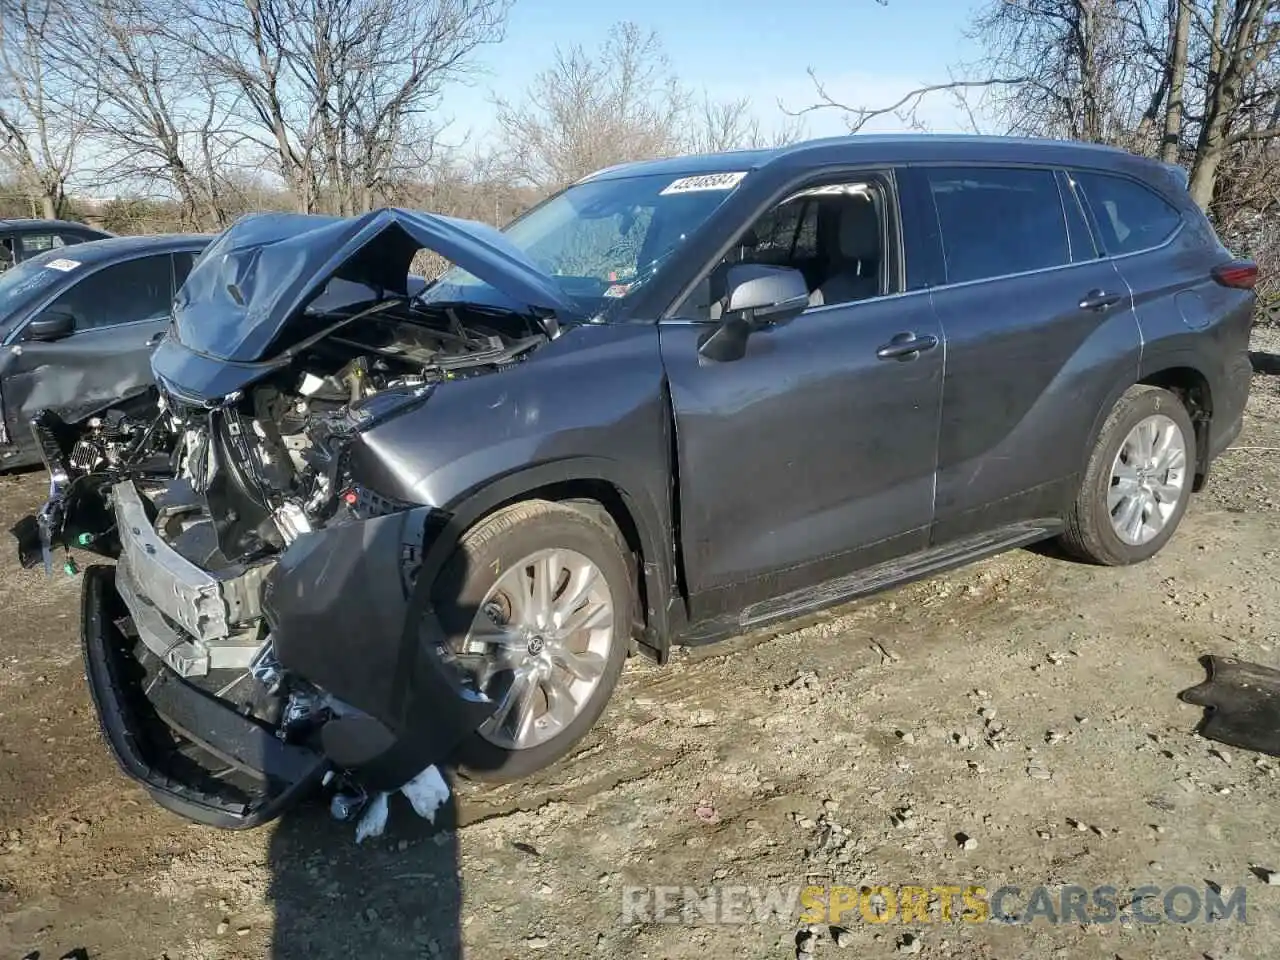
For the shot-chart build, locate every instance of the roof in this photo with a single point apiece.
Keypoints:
(25, 223)
(119, 248)
(878, 148)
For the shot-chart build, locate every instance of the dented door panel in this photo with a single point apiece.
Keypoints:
(76, 377)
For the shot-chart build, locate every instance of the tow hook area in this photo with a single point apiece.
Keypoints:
(67, 518)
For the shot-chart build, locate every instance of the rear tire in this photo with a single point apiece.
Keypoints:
(1138, 482)
(535, 637)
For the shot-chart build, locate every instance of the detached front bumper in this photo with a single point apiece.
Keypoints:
(347, 633)
(193, 753)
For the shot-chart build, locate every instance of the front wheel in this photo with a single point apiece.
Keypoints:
(536, 606)
(1138, 481)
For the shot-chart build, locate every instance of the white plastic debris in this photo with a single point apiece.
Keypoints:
(427, 792)
(374, 820)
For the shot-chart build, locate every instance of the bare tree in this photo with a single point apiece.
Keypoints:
(161, 126)
(1242, 37)
(592, 110)
(44, 116)
(1175, 98)
(724, 125)
(903, 109)
(1186, 80)
(335, 89)
(622, 102)
(719, 125)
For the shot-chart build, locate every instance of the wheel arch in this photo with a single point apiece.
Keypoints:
(595, 484)
(1182, 374)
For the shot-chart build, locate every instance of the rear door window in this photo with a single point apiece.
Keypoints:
(998, 221)
(1129, 217)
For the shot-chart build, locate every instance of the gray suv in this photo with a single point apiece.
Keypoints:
(676, 401)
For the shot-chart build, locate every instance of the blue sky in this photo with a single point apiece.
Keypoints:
(864, 52)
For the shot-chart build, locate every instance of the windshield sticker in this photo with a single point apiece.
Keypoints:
(62, 264)
(707, 181)
(618, 290)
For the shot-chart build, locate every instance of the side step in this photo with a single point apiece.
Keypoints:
(895, 572)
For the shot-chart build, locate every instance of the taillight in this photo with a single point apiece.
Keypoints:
(1241, 274)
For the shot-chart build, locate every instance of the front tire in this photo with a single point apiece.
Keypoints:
(537, 605)
(1138, 482)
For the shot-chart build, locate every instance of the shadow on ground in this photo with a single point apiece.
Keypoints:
(395, 896)
(398, 895)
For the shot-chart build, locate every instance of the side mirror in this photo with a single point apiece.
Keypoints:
(50, 325)
(764, 295)
(756, 296)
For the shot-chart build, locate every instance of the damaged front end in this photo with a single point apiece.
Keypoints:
(83, 460)
(268, 624)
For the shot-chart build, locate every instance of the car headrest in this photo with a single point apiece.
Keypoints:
(859, 232)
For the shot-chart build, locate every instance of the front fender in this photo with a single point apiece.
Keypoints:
(591, 406)
(349, 610)
(648, 511)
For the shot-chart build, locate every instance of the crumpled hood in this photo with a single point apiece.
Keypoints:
(247, 295)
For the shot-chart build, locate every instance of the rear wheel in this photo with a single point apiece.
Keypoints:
(1138, 481)
(536, 605)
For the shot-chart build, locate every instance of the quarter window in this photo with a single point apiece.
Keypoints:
(139, 289)
(997, 222)
(182, 263)
(33, 243)
(1129, 216)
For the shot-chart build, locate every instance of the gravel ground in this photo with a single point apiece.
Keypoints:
(1012, 723)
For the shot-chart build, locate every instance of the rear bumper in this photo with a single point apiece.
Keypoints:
(1230, 396)
(1223, 434)
(195, 755)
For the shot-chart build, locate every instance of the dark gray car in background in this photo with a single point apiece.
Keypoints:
(77, 328)
(24, 238)
(679, 400)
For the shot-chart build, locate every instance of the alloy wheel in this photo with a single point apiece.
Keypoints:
(543, 634)
(1148, 479)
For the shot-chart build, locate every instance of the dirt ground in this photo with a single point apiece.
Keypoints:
(1025, 702)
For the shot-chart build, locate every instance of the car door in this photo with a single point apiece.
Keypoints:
(118, 313)
(1039, 330)
(814, 453)
(1166, 263)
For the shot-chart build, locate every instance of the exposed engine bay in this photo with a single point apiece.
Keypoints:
(270, 464)
(266, 464)
(197, 505)
(112, 440)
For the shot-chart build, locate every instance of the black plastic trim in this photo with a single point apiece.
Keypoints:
(201, 719)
